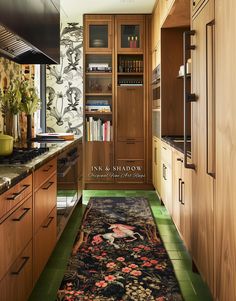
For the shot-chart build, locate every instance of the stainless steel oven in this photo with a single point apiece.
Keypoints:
(68, 188)
(156, 96)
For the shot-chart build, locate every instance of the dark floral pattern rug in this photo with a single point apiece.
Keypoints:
(118, 255)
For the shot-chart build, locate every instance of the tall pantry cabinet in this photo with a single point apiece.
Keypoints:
(116, 93)
(202, 142)
(225, 208)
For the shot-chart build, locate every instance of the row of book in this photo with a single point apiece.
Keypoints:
(98, 130)
(130, 66)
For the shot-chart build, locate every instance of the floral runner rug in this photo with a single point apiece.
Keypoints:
(118, 255)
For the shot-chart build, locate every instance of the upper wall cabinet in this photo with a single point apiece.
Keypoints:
(130, 31)
(98, 31)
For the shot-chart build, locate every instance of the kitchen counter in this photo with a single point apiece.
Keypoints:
(178, 144)
(12, 174)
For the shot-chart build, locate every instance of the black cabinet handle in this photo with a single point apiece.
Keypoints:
(25, 259)
(15, 195)
(48, 186)
(182, 198)
(22, 215)
(49, 222)
(130, 142)
(187, 97)
(47, 169)
(180, 192)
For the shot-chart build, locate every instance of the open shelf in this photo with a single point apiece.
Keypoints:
(98, 94)
(97, 113)
(130, 73)
(188, 75)
(98, 73)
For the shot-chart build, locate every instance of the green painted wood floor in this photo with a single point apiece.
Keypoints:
(192, 286)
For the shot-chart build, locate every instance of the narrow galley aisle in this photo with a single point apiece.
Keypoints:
(191, 284)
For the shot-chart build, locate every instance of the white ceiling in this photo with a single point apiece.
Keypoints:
(73, 8)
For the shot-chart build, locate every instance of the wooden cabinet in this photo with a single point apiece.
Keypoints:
(130, 33)
(203, 182)
(16, 236)
(15, 232)
(17, 283)
(44, 242)
(131, 171)
(12, 197)
(45, 221)
(156, 164)
(166, 179)
(225, 188)
(121, 88)
(98, 33)
(165, 6)
(98, 167)
(130, 114)
(156, 32)
(182, 198)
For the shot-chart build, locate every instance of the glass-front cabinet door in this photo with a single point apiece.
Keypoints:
(130, 30)
(99, 33)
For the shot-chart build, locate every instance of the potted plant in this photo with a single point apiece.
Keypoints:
(30, 103)
(10, 103)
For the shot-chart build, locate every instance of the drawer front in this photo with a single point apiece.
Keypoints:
(44, 243)
(15, 232)
(44, 172)
(129, 171)
(45, 201)
(15, 195)
(166, 154)
(17, 283)
(130, 150)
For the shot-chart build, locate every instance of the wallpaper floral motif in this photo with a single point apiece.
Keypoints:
(64, 91)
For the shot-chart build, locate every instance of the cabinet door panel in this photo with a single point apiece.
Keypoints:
(17, 283)
(130, 150)
(98, 161)
(44, 243)
(15, 232)
(13, 196)
(44, 172)
(202, 203)
(45, 201)
(130, 113)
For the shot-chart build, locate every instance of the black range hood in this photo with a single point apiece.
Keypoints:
(30, 31)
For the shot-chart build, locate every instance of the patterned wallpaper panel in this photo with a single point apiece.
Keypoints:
(64, 91)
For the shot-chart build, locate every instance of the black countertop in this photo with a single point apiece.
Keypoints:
(177, 142)
(12, 174)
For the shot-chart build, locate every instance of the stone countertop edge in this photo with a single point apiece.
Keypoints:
(176, 145)
(10, 175)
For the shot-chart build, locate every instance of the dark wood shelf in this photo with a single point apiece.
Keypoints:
(98, 94)
(130, 73)
(187, 75)
(98, 73)
(97, 113)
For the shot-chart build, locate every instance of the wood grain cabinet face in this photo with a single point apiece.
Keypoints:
(15, 233)
(98, 161)
(130, 150)
(44, 243)
(196, 4)
(44, 172)
(130, 32)
(166, 179)
(15, 195)
(17, 283)
(98, 31)
(130, 114)
(203, 183)
(45, 201)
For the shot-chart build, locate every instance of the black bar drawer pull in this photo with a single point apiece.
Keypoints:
(48, 168)
(15, 195)
(22, 215)
(180, 192)
(48, 186)
(182, 199)
(49, 222)
(25, 259)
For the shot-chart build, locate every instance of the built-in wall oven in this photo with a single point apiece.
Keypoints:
(69, 164)
(156, 101)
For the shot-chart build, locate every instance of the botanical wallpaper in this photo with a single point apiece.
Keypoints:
(64, 91)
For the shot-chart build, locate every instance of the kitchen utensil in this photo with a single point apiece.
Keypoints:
(6, 145)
